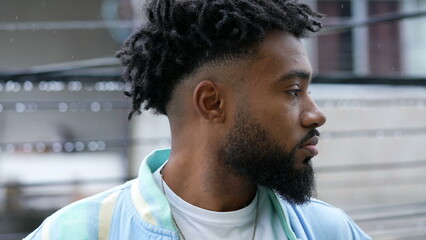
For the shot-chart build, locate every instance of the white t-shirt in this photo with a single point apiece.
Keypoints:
(197, 223)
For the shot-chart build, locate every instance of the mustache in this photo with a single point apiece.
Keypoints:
(312, 133)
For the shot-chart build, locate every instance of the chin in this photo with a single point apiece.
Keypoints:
(304, 163)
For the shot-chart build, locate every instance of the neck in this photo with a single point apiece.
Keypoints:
(198, 178)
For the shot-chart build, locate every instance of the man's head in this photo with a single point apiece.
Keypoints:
(179, 36)
(237, 74)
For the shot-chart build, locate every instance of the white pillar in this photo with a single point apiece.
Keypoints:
(360, 38)
(413, 38)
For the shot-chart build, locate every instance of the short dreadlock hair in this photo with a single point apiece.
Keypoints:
(181, 35)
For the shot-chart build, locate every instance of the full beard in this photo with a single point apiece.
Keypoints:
(248, 151)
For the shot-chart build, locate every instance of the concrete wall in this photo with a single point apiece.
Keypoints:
(25, 48)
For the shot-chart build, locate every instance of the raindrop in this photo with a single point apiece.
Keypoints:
(28, 86)
(59, 86)
(40, 147)
(75, 86)
(20, 107)
(17, 87)
(62, 107)
(101, 145)
(28, 147)
(95, 107)
(100, 86)
(79, 146)
(42, 86)
(11, 40)
(1, 107)
(49, 86)
(111, 86)
(120, 86)
(69, 147)
(57, 147)
(93, 146)
(12, 86)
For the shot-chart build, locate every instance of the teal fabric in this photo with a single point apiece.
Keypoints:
(160, 208)
(80, 220)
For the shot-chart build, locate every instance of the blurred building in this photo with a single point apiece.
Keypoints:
(64, 132)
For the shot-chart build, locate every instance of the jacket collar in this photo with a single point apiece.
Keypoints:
(147, 197)
(153, 206)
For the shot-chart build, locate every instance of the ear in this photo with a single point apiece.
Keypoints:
(208, 98)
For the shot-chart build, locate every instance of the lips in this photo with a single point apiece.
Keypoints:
(310, 146)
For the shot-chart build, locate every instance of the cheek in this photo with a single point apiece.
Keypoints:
(284, 120)
(279, 116)
(284, 128)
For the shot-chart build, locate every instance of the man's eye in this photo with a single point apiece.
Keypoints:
(294, 92)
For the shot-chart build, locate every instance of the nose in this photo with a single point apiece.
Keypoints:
(312, 116)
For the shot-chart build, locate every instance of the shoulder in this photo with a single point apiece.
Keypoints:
(324, 221)
(83, 219)
(318, 209)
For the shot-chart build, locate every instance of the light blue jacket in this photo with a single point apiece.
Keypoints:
(139, 210)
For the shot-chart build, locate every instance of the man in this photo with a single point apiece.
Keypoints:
(232, 76)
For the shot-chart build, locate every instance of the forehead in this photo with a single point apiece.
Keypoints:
(279, 54)
(281, 42)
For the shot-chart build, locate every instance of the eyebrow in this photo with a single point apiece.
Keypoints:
(295, 74)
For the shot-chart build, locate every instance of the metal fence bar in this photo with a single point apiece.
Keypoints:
(343, 26)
